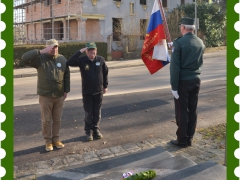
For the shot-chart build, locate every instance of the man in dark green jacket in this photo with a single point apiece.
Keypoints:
(52, 87)
(186, 60)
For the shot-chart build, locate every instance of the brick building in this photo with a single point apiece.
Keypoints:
(85, 20)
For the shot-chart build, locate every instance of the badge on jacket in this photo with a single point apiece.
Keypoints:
(87, 67)
(59, 65)
(97, 63)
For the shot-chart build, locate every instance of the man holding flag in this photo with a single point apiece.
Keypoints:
(186, 60)
(154, 52)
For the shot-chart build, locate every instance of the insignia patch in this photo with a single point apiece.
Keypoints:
(97, 63)
(87, 67)
(59, 65)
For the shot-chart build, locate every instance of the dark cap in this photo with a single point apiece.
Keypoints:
(91, 45)
(187, 21)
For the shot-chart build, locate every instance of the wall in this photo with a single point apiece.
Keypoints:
(93, 30)
(102, 27)
(73, 29)
(110, 10)
(42, 11)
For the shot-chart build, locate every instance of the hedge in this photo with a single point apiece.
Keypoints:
(67, 49)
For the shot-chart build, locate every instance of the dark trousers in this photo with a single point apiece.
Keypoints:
(186, 109)
(92, 106)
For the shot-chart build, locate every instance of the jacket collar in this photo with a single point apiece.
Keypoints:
(52, 57)
(188, 33)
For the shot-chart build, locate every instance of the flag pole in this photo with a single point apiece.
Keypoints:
(164, 22)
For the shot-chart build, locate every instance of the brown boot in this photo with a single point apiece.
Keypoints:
(49, 147)
(58, 144)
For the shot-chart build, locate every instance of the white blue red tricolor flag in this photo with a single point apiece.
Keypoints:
(154, 52)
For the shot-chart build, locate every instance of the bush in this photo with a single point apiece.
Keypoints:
(212, 22)
(66, 49)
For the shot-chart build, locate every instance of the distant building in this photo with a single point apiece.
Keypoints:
(87, 20)
(84, 20)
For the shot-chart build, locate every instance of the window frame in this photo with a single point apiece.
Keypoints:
(116, 31)
(132, 10)
(143, 28)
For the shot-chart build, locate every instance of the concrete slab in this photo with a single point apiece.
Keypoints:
(104, 154)
(207, 170)
(161, 167)
(114, 164)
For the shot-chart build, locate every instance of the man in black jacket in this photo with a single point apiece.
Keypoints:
(94, 73)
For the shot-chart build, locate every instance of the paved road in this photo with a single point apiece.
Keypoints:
(125, 118)
(123, 80)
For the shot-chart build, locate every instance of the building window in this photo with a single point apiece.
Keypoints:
(117, 29)
(117, 0)
(143, 28)
(131, 8)
(27, 10)
(143, 2)
(58, 1)
(47, 31)
(35, 8)
(47, 2)
(164, 3)
(182, 2)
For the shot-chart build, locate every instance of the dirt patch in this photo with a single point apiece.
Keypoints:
(214, 49)
(216, 134)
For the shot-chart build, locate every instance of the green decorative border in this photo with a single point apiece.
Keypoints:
(232, 90)
(7, 89)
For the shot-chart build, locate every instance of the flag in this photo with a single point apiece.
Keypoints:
(154, 52)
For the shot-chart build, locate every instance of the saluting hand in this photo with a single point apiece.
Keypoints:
(47, 49)
(83, 50)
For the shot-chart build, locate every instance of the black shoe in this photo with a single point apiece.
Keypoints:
(89, 137)
(175, 142)
(97, 134)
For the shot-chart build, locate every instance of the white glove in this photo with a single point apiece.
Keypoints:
(175, 94)
(170, 44)
(47, 49)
